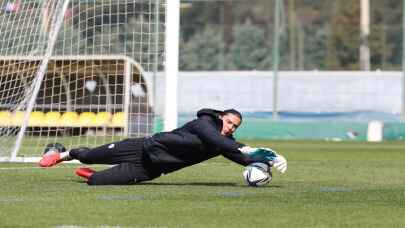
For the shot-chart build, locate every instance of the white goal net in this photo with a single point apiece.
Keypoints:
(73, 72)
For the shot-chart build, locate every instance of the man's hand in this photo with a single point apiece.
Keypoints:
(275, 160)
(280, 163)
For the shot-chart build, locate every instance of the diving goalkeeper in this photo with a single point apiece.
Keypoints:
(143, 159)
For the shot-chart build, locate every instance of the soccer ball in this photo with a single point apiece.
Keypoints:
(257, 174)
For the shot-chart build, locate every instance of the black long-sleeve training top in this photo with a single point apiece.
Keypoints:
(196, 141)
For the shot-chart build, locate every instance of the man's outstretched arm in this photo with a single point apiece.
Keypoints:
(207, 131)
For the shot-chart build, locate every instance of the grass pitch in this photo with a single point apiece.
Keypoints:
(328, 184)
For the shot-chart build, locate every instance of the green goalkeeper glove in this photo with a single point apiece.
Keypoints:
(273, 159)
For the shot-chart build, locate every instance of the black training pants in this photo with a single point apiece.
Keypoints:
(132, 165)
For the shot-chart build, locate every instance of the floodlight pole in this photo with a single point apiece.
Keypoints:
(276, 56)
(171, 63)
(365, 32)
(403, 61)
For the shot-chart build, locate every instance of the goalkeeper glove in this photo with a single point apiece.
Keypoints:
(273, 159)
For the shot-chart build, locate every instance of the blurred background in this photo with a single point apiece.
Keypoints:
(314, 34)
(296, 69)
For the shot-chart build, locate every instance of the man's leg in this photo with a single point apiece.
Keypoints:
(85, 172)
(122, 174)
(113, 153)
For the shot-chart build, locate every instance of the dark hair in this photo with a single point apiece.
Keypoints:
(234, 112)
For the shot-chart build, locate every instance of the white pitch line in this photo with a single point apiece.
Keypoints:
(18, 168)
(58, 167)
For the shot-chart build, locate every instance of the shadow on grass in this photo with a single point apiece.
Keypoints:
(189, 183)
(207, 184)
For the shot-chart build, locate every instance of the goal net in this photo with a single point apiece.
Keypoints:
(77, 72)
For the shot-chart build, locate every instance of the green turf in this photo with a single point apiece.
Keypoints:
(328, 184)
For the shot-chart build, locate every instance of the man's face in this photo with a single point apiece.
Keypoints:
(230, 123)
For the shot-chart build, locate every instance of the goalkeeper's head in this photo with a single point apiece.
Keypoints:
(231, 120)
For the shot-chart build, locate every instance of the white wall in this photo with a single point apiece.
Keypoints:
(307, 91)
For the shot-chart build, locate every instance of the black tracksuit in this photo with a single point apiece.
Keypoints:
(147, 158)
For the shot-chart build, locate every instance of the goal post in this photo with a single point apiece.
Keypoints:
(172, 63)
(56, 24)
(77, 72)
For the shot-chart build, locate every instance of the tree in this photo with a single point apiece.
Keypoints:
(322, 34)
(386, 34)
(249, 51)
(198, 16)
(203, 51)
(345, 38)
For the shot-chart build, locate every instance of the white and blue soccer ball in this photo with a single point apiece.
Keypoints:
(257, 174)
